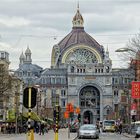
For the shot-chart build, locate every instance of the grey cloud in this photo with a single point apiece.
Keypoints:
(54, 17)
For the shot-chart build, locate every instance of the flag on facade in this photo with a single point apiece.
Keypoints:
(135, 91)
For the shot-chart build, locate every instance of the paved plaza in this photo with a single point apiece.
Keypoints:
(63, 135)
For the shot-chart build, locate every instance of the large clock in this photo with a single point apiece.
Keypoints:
(81, 56)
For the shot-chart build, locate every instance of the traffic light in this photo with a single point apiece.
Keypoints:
(58, 112)
(29, 97)
(56, 115)
(79, 118)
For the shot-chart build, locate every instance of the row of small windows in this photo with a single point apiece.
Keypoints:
(27, 73)
(86, 103)
(79, 70)
(121, 80)
(82, 70)
(99, 70)
(53, 80)
(63, 92)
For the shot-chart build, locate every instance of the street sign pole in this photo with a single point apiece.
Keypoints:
(29, 101)
(57, 109)
(29, 115)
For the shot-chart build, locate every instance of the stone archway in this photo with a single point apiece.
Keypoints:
(89, 99)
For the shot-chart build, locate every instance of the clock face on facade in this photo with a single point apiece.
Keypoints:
(81, 56)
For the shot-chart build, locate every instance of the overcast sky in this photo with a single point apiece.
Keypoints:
(43, 23)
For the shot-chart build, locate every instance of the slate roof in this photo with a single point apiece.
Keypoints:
(31, 67)
(79, 36)
(54, 71)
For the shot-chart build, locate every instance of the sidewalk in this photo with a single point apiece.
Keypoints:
(62, 135)
(130, 136)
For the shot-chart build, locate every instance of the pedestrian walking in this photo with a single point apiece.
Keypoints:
(42, 129)
(120, 128)
(101, 127)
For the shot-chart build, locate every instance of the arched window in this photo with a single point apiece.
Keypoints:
(107, 69)
(72, 69)
(107, 111)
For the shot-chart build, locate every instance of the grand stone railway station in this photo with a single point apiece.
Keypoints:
(80, 73)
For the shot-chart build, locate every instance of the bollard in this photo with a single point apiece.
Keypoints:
(56, 118)
(30, 133)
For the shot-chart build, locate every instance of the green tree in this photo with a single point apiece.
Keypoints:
(5, 85)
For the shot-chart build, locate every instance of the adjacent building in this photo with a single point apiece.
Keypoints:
(10, 90)
(27, 71)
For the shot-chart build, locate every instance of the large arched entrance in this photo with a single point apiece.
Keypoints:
(89, 99)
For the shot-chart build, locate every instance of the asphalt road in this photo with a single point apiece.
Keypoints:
(112, 136)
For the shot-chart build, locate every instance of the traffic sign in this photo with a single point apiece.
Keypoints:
(29, 97)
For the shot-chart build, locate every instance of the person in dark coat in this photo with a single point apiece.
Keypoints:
(41, 129)
(120, 128)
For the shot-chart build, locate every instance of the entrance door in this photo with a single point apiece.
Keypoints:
(88, 117)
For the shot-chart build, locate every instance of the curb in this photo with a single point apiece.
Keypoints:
(128, 136)
(75, 138)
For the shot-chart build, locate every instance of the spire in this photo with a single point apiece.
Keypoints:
(107, 49)
(107, 59)
(28, 51)
(107, 52)
(21, 58)
(78, 19)
(28, 55)
(78, 5)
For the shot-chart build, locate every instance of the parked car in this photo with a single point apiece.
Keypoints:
(137, 135)
(74, 127)
(88, 131)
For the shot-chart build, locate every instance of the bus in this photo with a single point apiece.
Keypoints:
(109, 126)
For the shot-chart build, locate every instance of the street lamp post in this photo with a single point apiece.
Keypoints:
(125, 50)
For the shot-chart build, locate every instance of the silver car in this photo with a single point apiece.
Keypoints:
(88, 131)
(137, 135)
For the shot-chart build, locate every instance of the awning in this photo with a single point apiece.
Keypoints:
(34, 116)
(49, 120)
(10, 120)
